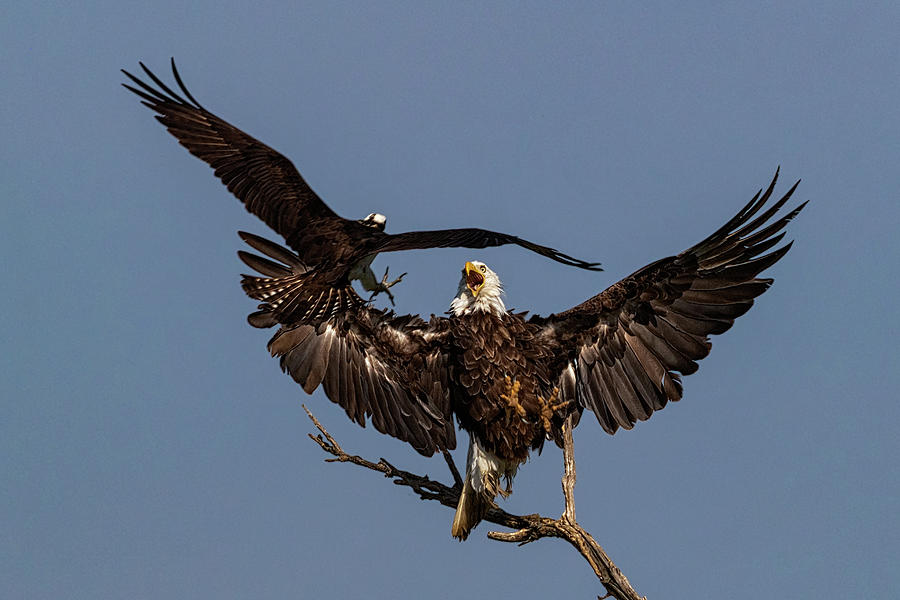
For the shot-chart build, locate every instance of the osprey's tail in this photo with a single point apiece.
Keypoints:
(287, 293)
(483, 472)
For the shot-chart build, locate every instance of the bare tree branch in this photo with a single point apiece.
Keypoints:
(528, 528)
(458, 482)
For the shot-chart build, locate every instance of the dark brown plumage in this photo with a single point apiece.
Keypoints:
(511, 381)
(655, 323)
(271, 188)
(480, 350)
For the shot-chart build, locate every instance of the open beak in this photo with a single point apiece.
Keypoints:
(474, 279)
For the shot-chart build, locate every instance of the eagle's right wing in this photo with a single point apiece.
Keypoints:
(392, 369)
(621, 352)
(264, 180)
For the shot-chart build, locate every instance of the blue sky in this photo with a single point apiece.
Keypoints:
(152, 449)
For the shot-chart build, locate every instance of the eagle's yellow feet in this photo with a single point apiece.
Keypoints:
(548, 409)
(512, 398)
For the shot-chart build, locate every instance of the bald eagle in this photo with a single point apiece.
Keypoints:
(510, 380)
(271, 188)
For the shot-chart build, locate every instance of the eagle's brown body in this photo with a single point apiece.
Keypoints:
(487, 353)
(501, 387)
(510, 381)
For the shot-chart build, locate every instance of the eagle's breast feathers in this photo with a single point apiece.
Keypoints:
(500, 382)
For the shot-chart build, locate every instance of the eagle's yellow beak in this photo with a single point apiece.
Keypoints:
(474, 279)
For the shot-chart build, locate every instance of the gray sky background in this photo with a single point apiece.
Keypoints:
(152, 449)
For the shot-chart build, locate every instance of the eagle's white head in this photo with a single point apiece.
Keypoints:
(375, 221)
(479, 290)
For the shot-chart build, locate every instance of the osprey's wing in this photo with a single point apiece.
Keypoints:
(474, 238)
(624, 348)
(392, 369)
(271, 187)
(264, 180)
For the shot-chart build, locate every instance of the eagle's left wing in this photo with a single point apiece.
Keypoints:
(621, 351)
(376, 365)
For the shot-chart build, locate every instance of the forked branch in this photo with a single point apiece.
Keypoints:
(528, 528)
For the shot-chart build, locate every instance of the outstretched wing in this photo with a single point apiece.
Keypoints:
(475, 238)
(373, 363)
(271, 188)
(625, 347)
(264, 180)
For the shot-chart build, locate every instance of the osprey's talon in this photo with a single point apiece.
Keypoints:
(385, 285)
(380, 289)
(384, 280)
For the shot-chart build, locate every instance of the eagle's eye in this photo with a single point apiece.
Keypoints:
(483, 269)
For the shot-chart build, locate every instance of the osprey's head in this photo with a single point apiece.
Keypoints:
(479, 289)
(375, 221)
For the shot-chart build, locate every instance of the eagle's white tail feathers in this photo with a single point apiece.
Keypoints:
(483, 472)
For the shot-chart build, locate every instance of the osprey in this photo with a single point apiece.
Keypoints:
(271, 188)
(510, 380)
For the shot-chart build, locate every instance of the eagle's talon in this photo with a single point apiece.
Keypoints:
(548, 409)
(512, 398)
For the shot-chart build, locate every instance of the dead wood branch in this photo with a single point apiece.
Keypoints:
(528, 528)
